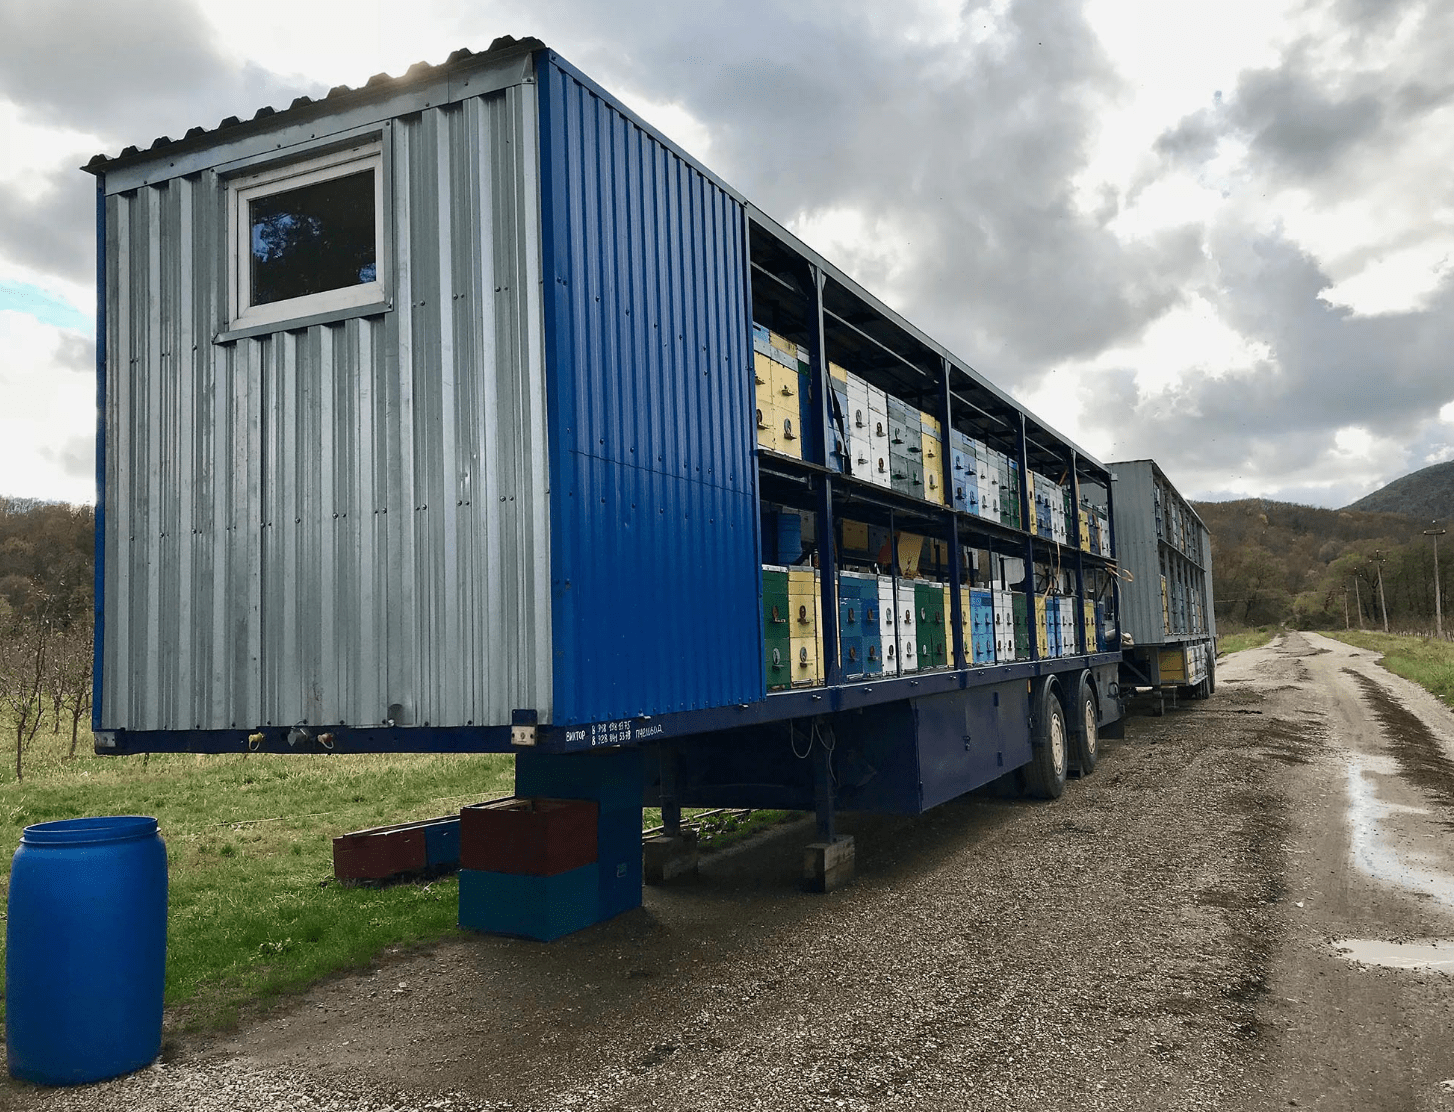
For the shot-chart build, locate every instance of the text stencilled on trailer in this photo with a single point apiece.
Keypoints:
(614, 733)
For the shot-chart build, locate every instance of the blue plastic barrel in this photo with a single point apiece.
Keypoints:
(86, 945)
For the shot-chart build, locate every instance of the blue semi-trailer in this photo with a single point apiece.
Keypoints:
(464, 411)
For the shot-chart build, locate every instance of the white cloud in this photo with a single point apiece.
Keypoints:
(1398, 282)
(49, 417)
(30, 153)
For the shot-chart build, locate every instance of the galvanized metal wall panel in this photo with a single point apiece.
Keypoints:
(1141, 552)
(1137, 551)
(312, 526)
(654, 569)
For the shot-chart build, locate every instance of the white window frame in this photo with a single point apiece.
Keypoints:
(293, 175)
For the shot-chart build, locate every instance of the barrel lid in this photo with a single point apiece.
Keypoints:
(90, 831)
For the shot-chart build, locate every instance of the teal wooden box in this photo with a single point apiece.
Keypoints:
(539, 907)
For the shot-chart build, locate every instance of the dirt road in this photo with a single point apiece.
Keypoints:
(1163, 937)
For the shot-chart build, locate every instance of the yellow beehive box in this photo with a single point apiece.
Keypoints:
(1172, 665)
(762, 368)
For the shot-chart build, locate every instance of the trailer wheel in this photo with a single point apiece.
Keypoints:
(1045, 774)
(1211, 680)
(1085, 742)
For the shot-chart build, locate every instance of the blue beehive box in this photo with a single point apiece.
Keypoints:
(441, 843)
(539, 907)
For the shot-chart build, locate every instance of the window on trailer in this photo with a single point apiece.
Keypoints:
(308, 237)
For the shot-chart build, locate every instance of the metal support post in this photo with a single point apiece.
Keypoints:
(1031, 609)
(827, 531)
(671, 808)
(823, 795)
(1078, 622)
(956, 570)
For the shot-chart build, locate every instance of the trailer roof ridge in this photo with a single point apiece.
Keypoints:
(417, 73)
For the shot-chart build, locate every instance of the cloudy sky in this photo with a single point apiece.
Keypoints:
(1215, 234)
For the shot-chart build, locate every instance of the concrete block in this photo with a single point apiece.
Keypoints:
(665, 858)
(828, 865)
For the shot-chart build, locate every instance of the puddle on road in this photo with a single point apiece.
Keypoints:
(1373, 852)
(1437, 954)
(1420, 756)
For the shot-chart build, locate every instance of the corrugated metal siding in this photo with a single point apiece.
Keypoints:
(1137, 552)
(314, 525)
(654, 569)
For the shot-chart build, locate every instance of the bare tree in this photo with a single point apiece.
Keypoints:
(74, 657)
(23, 652)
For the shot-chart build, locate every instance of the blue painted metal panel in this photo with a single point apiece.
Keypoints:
(648, 355)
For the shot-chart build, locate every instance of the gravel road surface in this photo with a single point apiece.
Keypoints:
(1166, 936)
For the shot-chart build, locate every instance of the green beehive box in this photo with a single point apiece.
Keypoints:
(776, 629)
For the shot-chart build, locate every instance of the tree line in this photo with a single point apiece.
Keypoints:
(47, 575)
(1276, 563)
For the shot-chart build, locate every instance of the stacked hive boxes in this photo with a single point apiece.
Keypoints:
(932, 622)
(964, 469)
(888, 617)
(1095, 529)
(792, 627)
(1020, 606)
(805, 604)
(906, 448)
(982, 626)
(1004, 619)
(1088, 625)
(782, 378)
(932, 455)
(839, 413)
(528, 867)
(860, 625)
(777, 628)
(1049, 509)
(867, 421)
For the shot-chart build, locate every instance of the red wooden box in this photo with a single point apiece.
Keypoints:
(380, 853)
(528, 837)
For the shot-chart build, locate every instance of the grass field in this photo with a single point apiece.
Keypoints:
(1245, 639)
(1425, 661)
(254, 911)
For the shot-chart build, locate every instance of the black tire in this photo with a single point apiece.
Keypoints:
(1212, 673)
(1085, 738)
(1045, 774)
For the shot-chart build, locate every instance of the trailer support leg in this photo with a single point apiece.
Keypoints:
(673, 852)
(828, 862)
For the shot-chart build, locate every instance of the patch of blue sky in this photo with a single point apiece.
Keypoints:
(44, 306)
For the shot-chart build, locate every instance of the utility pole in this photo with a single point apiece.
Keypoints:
(1357, 597)
(1382, 602)
(1436, 533)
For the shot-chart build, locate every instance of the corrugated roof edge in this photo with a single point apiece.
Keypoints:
(420, 71)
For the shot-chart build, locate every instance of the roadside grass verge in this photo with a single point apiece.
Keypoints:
(1245, 639)
(1425, 661)
(253, 910)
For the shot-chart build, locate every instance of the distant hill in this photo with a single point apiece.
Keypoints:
(1425, 495)
(1281, 562)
